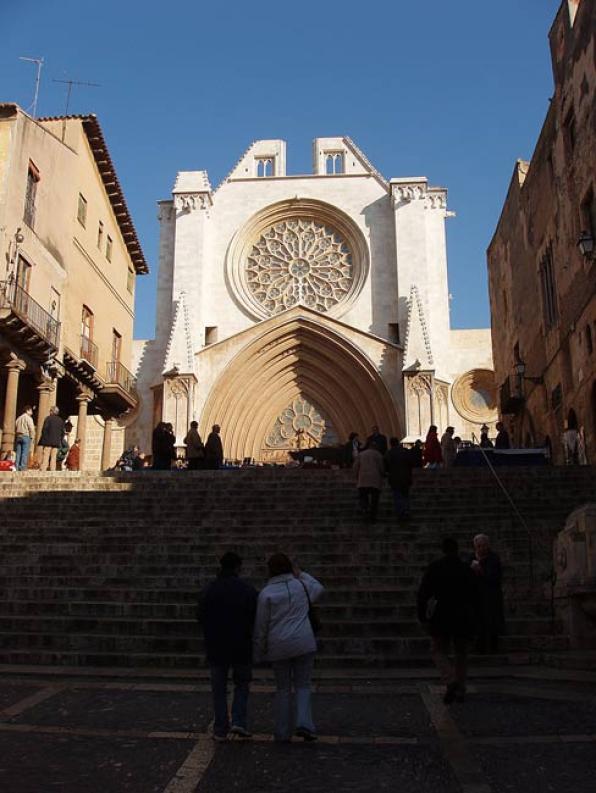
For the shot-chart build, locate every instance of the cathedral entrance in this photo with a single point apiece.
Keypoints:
(299, 384)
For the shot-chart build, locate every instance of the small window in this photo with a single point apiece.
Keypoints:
(334, 162)
(82, 210)
(549, 289)
(87, 323)
(116, 345)
(100, 235)
(570, 132)
(109, 245)
(556, 397)
(23, 274)
(588, 213)
(393, 332)
(130, 280)
(210, 334)
(31, 195)
(264, 166)
(589, 342)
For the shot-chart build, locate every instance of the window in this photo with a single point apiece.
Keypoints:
(30, 195)
(210, 334)
(116, 345)
(589, 342)
(549, 291)
(82, 210)
(130, 280)
(334, 162)
(23, 274)
(569, 131)
(109, 245)
(393, 332)
(264, 166)
(100, 235)
(556, 397)
(87, 323)
(588, 213)
(54, 303)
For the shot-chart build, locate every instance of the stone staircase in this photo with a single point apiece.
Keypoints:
(104, 571)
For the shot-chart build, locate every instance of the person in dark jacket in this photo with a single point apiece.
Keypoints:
(447, 606)
(398, 464)
(502, 440)
(226, 610)
(52, 435)
(486, 566)
(214, 449)
(417, 454)
(376, 439)
(161, 448)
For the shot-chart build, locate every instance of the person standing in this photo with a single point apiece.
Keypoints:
(52, 436)
(447, 606)
(398, 464)
(161, 448)
(369, 468)
(487, 568)
(284, 635)
(378, 439)
(448, 447)
(433, 457)
(417, 454)
(73, 458)
(351, 449)
(226, 610)
(195, 449)
(214, 449)
(24, 435)
(502, 440)
(485, 441)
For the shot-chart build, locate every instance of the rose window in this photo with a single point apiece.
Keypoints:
(300, 426)
(299, 261)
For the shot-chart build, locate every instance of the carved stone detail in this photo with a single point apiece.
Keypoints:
(300, 426)
(188, 202)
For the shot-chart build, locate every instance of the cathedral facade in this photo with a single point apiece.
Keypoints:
(295, 309)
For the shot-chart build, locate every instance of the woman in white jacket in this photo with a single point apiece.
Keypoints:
(284, 636)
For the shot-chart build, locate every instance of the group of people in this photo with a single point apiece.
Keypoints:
(276, 625)
(199, 455)
(54, 448)
(459, 600)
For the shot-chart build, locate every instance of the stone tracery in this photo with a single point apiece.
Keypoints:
(299, 260)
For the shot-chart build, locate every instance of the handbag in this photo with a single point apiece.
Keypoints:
(313, 613)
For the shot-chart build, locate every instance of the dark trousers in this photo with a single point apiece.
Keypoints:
(369, 500)
(241, 675)
(195, 463)
(451, 673)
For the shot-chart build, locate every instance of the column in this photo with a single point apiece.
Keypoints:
(83, 399)
(106, 450)
(44, 402)
(15, 366)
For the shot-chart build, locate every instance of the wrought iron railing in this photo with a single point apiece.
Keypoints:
(118, 373)
(89, 351)
(29, 311)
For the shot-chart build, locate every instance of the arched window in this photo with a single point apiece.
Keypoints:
(334, 163)
(264, 166)
(572, 423)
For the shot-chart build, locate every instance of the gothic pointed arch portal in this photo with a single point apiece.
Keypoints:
(295, 366)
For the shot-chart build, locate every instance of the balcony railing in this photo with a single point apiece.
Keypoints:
(29, 312)
(119, 374)
(89, 351)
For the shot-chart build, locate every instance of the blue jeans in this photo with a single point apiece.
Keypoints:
(241, 675)
(298, 670)
(22, 446)
(401, 502)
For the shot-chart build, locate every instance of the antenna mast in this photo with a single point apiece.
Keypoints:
(39, 62)
(70, 84)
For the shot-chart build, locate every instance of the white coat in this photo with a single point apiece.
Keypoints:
(282, 628)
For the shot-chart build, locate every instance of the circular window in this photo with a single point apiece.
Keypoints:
(474, 396)
(301, 252)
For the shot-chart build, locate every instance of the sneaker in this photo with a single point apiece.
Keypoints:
(241, 732)
(219, 738)
(308, 735)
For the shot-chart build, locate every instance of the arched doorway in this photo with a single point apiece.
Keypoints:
(298, 373)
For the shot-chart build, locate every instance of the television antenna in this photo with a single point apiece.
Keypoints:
(39, 62)
(70, 84)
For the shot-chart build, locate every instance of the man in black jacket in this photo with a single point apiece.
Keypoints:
(398, 464)
(448, 607)
(51, 438)
(227, 608)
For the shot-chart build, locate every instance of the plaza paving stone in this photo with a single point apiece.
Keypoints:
(540, 768)
(318, 768)
(77, 764)
(123, 709)
(507, 714)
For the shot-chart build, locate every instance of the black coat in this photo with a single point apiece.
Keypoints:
(398, 464)
(52, 432)
(452, 584)
(226, 610)
(489, 583)
(379, 440)
(214, 449)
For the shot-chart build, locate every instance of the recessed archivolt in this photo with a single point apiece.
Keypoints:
(296, 358)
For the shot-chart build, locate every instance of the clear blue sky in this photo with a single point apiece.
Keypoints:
(455, 91)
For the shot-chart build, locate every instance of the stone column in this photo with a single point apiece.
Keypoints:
(106, 450)
(83, 399)
(15, 366)
(45, 389)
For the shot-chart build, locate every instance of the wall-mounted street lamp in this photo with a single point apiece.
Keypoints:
(585, 244)
(520, 371)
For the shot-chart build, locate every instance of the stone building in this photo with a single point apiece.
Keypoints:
(69, 257)
(294, 309)
(542, 271)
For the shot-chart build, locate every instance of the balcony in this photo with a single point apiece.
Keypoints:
(81, 366)
(29, 325)
(89, 351)
(119, 390)
(511, 400)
